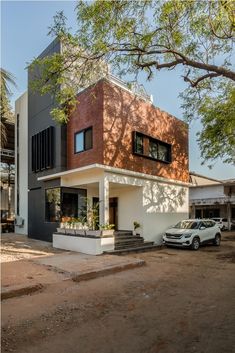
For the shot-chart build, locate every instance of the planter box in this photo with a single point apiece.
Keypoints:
(61, 230)
(94, 233)
(107, 232)
(70, 231)
(85, 245)
(80, 232)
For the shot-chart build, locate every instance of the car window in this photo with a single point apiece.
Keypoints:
(203, 224)
(186, 225)
(210, 224)
(224, 220)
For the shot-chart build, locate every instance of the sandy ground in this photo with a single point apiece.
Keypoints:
(180, 302)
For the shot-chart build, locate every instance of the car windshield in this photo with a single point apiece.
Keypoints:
(186, 225)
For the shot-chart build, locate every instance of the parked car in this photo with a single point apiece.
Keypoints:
(192, 233)
(221, 222)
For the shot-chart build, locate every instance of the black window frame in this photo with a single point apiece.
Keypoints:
(84, 142)
(153, 140)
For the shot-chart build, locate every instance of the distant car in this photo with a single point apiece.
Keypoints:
(192, 233)
(221, 222)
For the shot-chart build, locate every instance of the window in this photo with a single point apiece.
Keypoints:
(64, 202)
(53, 197)
(151, 148)
(139, 145)
(42, 150)
(83, 140)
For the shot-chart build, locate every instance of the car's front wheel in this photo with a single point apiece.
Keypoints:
(217, 240)
(195, 243)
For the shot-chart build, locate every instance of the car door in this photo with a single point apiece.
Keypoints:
(203, 231)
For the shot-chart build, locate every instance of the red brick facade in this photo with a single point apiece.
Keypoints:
(114, 114)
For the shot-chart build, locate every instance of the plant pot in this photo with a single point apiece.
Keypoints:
(70, 231)
(134, 232)
(94, 233)
(80, 232)
(61, 230)
(107, 232)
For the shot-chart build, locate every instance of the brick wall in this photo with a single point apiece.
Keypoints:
(89, 112)
(124, 113)
(114, 114)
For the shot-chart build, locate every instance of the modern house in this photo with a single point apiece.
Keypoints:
(117, 148)
(212, 198)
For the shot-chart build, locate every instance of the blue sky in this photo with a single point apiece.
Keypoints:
(24, 28)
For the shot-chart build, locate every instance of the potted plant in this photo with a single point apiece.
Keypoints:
(93, 218)
(107, 229)
(136, 226)
(81, 226)
(70, 226)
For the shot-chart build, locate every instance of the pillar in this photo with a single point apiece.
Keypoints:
(104, 201)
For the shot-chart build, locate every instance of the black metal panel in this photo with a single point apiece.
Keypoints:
(39, 108)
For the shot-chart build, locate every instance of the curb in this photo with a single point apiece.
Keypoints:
(7, 293)
(96, 274)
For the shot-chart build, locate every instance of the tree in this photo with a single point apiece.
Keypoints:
(6, 112)
(147, 36)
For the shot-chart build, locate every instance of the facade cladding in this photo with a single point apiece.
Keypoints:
(46, 154)
(128, 133)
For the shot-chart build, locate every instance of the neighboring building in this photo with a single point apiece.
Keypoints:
(7, 183)
(21, 164)
(117, 148)
(211, 198)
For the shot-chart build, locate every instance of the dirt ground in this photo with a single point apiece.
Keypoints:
(180, 302)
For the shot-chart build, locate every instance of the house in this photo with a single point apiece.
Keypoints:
(212, 198)
(117, 148)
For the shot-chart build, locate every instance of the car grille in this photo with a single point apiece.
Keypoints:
(174, 236)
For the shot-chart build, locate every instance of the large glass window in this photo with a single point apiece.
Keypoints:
(151, 148)
(64, 202)
(83, 140)
(53, 205)
(139, 144)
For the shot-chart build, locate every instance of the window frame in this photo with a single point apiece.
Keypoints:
(153, 140)
(84, 143)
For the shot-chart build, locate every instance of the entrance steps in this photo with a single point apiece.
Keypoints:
(126, 242)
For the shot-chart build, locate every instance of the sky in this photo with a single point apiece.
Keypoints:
(24, 29)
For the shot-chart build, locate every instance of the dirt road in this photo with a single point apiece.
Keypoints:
(180, 302)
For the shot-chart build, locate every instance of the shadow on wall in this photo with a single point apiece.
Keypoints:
(163, 198)
(125, 113)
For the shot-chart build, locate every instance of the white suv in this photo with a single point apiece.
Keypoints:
(192, 232)
(221, 222)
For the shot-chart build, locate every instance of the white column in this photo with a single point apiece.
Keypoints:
(104, 200)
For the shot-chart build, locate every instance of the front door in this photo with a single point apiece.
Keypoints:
(113, 211)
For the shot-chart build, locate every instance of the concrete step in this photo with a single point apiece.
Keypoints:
(128, 240)
(128, 246)
(143, 248)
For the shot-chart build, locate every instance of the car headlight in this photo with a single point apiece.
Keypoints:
(188, 235)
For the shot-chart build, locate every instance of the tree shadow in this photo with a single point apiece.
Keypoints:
(125, 113)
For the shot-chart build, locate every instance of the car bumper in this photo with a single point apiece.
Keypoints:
(177, 242)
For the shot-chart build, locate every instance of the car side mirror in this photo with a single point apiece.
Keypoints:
(202, 228)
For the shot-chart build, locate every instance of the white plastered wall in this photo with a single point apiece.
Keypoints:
(156, 205)
(153, 204)
(21, 108)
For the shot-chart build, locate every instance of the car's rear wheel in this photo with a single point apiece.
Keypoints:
(217, 240)
(195, 243)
